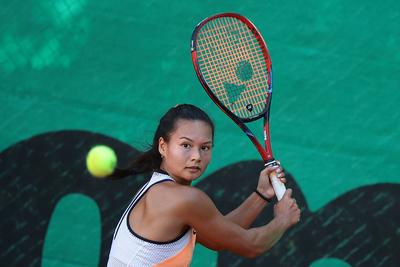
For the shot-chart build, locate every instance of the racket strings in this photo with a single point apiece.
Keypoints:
(243, 54)
(233, 64)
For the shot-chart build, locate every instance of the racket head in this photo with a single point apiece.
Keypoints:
(232, 62)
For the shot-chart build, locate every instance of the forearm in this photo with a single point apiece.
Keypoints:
(258, 240)
(247, 212)
(265, 237)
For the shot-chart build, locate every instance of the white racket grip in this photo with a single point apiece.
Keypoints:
(278, 186)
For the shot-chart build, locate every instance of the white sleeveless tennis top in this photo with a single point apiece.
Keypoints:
(129, 249)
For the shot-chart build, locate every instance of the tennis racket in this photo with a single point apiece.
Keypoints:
(232, 62)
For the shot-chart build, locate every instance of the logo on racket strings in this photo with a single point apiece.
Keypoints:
(249, 107)
(243, 73)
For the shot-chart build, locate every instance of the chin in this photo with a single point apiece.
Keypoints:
(193, 176)
(190, 178)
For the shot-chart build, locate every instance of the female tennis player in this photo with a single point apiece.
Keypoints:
(167, 216)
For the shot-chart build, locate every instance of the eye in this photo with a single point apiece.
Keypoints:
(185, 145)
(205, 148)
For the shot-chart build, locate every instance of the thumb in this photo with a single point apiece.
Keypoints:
(288, 193)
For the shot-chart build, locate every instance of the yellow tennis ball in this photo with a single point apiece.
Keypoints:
(101, 161)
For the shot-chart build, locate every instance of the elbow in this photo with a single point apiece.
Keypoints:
(253, 251)
(255, 247)
(254, 254)
(251, 254)
(245, 249)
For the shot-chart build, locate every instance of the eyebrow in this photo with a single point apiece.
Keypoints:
(207, 142)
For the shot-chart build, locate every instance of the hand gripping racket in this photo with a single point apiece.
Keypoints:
(233, 65)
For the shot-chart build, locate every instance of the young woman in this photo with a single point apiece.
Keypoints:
(167, 216)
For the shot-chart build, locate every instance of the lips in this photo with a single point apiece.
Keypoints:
(194, 168)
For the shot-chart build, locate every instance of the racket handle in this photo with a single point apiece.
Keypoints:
(278, 186)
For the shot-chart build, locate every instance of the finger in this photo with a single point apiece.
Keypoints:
(273, 167)
(280, 174)
(270, 169)
(288, 193)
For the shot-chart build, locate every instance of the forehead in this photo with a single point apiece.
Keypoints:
(192, 129)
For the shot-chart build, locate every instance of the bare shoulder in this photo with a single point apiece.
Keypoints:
(182, 193)
(183, 199)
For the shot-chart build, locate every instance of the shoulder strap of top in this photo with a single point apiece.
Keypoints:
(157, 177)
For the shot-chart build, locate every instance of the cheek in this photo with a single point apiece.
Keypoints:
(207, 157)
(177, 153)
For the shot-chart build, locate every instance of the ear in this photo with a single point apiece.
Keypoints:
(161, 146)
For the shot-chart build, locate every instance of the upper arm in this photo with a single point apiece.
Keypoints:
(212, 228)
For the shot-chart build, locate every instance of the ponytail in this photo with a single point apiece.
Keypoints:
(148, 161)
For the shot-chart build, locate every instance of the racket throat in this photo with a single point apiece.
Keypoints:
(268, 148)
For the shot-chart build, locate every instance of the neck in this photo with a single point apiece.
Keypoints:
(176, 179)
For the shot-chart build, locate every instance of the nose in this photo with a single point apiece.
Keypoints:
(195, 156)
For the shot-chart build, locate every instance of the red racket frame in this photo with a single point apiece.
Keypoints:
(266, 153)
